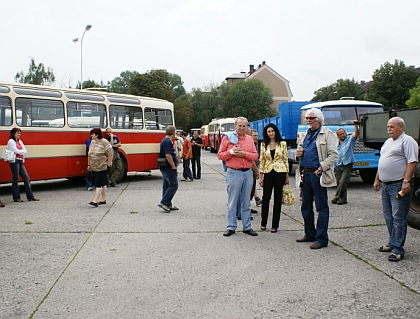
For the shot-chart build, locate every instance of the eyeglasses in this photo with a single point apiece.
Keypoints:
(310, 118)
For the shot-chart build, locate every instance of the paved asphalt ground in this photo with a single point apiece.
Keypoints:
(61, 258)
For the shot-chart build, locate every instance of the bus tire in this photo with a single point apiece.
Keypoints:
(414, 213)
(217, 147)
(123, 173)
(212, 150)
(368, 175)
(290, 167)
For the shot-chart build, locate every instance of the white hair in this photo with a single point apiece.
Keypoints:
(316, 113)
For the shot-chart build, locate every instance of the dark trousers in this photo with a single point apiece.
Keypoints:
(187, 170)
(342, 175)
(17, 169)
(196, 166)
(272, 180)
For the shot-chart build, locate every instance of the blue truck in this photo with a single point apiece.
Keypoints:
(338, 114)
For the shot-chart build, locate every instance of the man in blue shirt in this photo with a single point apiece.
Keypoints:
(345, 146)
(319, 154)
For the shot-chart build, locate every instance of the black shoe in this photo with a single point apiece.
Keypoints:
(304, 240)
(228, 232)
(253, 211)
(250, 232)
(93, 204)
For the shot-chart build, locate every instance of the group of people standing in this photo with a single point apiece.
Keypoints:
(325, 158)
(189, 150)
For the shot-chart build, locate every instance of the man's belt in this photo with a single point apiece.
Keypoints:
(306, 169)
(393, 182)
(240, 169)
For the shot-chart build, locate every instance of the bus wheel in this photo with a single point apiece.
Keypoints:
(368, 175)
(414, 213)
(212, 150)
(123, 173)
(290, 167)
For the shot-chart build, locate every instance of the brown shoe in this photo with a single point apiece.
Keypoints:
(317, 245)
(304, 240)
(35, 199)
(341, 202)
(19, 200)
(2, 204)
(334, 200)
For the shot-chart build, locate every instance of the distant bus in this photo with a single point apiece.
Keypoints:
(217, 127)
(204, 134)
(56, 122)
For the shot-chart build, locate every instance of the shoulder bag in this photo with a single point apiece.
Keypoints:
(8, 155)
(288, 198)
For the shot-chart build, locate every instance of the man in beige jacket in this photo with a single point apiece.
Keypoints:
(318, 156)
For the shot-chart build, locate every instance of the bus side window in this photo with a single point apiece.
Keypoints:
(38, 112)
(5, 111)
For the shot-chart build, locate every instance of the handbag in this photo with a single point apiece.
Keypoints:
(162, 162)
(8, 155)
(288, 198)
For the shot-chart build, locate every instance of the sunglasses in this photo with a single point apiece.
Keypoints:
(310, 118)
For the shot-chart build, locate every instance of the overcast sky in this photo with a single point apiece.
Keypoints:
(310, 43)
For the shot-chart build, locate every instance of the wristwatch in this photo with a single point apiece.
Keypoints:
(406, 181)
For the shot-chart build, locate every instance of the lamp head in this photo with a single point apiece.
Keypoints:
(75, 40)
(88, 27)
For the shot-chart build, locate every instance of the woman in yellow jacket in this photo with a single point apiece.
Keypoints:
(274, 173)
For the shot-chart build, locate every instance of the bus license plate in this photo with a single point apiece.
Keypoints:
(361, 164)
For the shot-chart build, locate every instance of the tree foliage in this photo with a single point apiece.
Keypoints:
(89, 84)
(391, 85)
(206, 105)
(154, 83)
(121, 84)
(414, 100)
(341, 88)
(248, 98)
(183, 112)
(176, 84)
(37, 74)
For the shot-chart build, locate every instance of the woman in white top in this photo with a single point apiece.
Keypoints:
(18, 168)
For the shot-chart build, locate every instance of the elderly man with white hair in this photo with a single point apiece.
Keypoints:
(318, 156)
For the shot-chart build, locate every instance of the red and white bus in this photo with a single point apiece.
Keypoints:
(56, 122)
(204, 134)
(217, 127)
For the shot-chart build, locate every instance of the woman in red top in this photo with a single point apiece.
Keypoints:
(17, 167)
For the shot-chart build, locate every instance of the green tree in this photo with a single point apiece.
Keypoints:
(154, 83)
(176, 84)
(89, 84)
(37, 74)
(414, 100)
(120, 84)
(205, 104)
(341, 88)
(248, 98)
(183, 112)
(391, 85)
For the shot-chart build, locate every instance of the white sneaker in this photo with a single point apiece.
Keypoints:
(89, 189)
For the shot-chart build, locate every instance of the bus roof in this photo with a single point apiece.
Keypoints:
(221, 121)
(340, 103)
(75, 91)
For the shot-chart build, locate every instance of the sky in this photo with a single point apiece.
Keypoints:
(311, 43)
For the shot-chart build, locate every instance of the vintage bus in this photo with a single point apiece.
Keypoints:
(217, 127)
(56, 122)
(204, 134)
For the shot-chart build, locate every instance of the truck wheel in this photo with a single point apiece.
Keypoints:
(123, 172)
(368, 175)
(414, 213)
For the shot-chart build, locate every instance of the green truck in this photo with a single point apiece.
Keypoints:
(373, 133)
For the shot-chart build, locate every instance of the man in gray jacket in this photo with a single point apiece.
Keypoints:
(318, 156)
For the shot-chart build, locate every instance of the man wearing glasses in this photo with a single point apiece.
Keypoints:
(318, 156)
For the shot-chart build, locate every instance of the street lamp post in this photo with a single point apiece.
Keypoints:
(75, 40)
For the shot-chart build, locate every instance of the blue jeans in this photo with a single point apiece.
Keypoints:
(187, 170)
(239, 186)
(196, 166)
(17, 169)
(396, 214)
(169, 186)
(312, 188)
